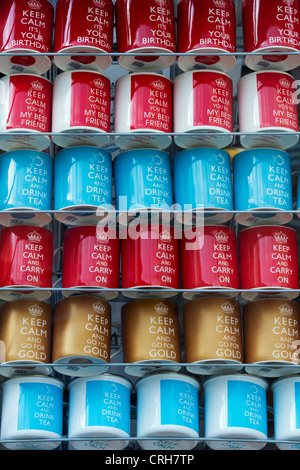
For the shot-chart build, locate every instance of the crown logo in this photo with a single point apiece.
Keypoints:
(221, 82)
(161, 309)
(99, 307)
(284, 82)
(99, 3)
(288, 2)
(220, 3)
(285, 309)
(280, 237)
(102, 237)
(158, 84)
(227, 307)
(37, 85)
(165, 236)
(98, 83)
(34, 237)
(221, 237)
(35, 310)
(34, 4)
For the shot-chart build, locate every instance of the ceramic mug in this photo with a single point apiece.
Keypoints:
(268, 29)
(268, 110)
(143, 104)
(25, 104)
(145, 29)
(83, 28)
(262, 179)
(26, 26)
(206, 27)
(82, 182)
(81, 103)
(27, 261)
(203, 103)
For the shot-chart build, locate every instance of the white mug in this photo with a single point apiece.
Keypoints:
(81, 104)
(25, 107)
(266, 104)
(143, 104)
(203, 106)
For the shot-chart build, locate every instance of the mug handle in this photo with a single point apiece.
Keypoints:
(119, 350)
(55, 252)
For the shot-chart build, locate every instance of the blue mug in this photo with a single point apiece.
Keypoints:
(82, 181)
(202, 182)
(262, 180)
(143, 180)
(26, 178)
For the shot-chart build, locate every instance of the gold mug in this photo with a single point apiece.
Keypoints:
(272, 337)
(25, 337)
(150, 333)
(213, 335)
(81, 336)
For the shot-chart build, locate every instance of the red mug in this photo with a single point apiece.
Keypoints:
(26, 108)
(26, 25)
(271, 27)
(209, 259)
(85, 27)
(143, 104)
(269, 260)
(206, 26)
(81, 104)
(91, 259)
(145, 27)
(26, 261)
(150, 259)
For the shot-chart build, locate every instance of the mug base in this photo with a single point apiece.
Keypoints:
(263, 140)
(234, 445)
(27, 140)
(281, 62)
(32, 445)
(98, 139)
(38, 65)
(199, 217)
(282, 446)
(205, 291)
(97, 444)
(94, 63)
(133, 140)
(219, 139)
(141, 368)
(67, 215)
(269, 216)
(214, 367)
(16, 216)
(162, 438)
(266, 292)
(17, 368)
(14, 293)
(151, 291)
(144, 215)
(83, 439)
(80, 366)
(265, 369)
(223, 64)
(137, 64)
(98, 292)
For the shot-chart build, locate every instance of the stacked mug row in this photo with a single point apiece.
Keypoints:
(82, 31)
(150, 257)
(195, 186)
(167, 412)
(77, 340)
(199, 102)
